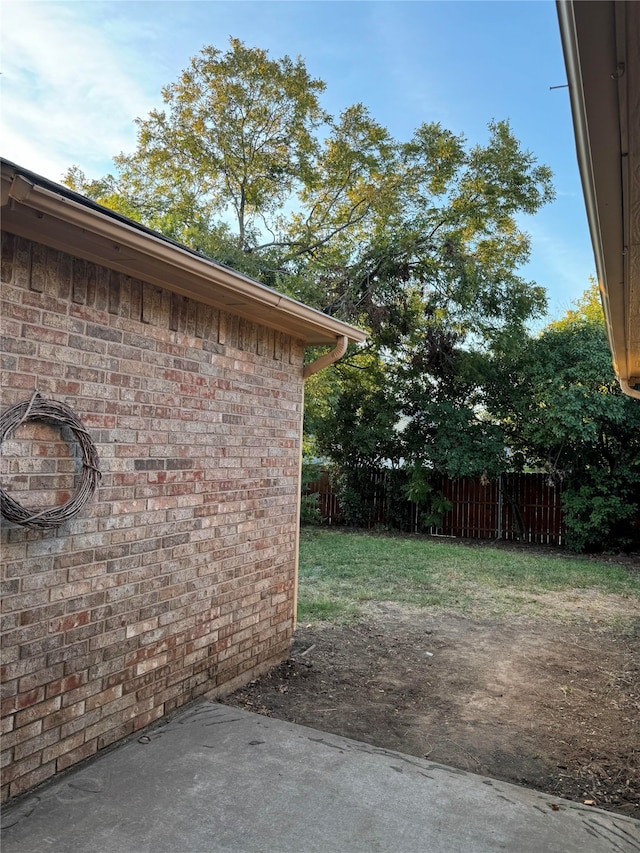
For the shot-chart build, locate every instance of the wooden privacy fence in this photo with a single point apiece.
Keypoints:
(523, 507)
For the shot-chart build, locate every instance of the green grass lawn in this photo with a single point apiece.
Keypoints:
(340, 570)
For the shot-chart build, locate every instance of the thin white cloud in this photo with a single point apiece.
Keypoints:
(70, 93)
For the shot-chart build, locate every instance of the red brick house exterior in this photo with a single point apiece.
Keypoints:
(178, 578)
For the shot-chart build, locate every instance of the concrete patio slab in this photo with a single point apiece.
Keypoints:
(215, 778)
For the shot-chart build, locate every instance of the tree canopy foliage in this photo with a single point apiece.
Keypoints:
(417, 240)
(551, 403)
(235, 138)
(243, 164)
(568, 416)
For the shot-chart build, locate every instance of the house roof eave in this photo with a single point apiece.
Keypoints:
(37, 209)
(601, 45)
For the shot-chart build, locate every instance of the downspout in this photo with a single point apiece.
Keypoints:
(629, 389)
(342, 342)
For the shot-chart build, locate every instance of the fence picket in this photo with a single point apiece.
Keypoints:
(525, 507)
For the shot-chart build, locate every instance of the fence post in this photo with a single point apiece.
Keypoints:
(500, 501)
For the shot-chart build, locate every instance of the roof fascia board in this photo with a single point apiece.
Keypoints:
(589, 40)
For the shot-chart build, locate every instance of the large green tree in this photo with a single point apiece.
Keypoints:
(234, 165)
(236, 137)
(436, 282)
(564, 412)
(244, 164)
(417, 240)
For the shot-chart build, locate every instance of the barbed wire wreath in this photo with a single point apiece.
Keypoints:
(38, 408)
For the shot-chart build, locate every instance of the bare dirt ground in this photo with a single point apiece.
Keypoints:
(551, 703)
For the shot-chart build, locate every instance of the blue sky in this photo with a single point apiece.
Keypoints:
(76, 74)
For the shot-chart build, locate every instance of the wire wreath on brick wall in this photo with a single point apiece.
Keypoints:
(38, 408)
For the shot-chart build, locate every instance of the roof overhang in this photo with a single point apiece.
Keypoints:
(35, 208)
(601, 44)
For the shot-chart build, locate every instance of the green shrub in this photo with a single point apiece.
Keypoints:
(309, 503)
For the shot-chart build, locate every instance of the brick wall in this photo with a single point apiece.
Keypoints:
(178, 577)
